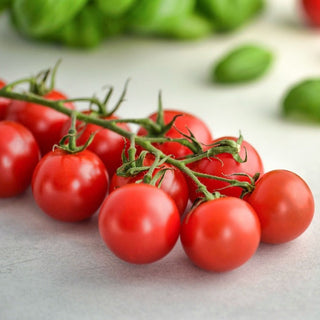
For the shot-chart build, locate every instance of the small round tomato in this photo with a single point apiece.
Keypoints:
(4, 103)
(107, 144)
(70, 187)
(184, 123)
(19, 155)
(284, 205)
(225, 166)
(221, 234)
(139, 223)
(44, 122)
(173, 182)
(312, 11)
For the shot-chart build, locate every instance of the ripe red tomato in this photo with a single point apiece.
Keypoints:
(221, 234)
(182, 123)
(107, 144)
(284, 205)
(45, 123)
(312, 11)
(4, 103)
(19, 155)
(173, 183)
(70, 187)
(223, 165)
(139, 223)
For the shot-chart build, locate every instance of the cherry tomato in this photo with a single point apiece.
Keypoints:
(173, 183)
(139, 223)
(221, 234)
(223, 165)
(107, 144)
(183, 123)
(45, 123)
(19, 155)
(4, 103)
(284, 205)
(70, 187)
(312, 11)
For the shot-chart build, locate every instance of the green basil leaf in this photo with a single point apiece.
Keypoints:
(230, 14)
(39, 18)
(245, 63)
(155, 16)
(302, 101)
(114, 8)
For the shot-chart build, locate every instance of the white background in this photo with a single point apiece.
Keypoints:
(53, 270)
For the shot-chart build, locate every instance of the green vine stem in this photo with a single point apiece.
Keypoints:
(144, 141)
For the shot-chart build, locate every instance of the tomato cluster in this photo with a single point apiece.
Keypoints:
(143, 208)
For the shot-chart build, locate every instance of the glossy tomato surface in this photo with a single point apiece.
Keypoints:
(183, 123)
(139, 223)
(225, 166)
(4, 103)
(19, 155)
(173, 182)
(312, 11)
(70, 187)
(221, 234)
(108, 145)
(284, 204)
(44, 122)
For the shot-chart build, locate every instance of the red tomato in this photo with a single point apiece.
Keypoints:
(183, 123)
(69, 187)
(221, 234)
(139, 223)
(4, 103)
(223, 165)
(312, 11)
(19, 155)
(173, 183)
(284, 205)
(107, 144)
(44, 122)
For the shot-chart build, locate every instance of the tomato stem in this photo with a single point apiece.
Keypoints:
(146, 142)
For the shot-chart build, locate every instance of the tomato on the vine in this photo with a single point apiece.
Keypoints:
(173, 182)
(312, 11)
(184, 123)
(108, 145)
(221, 234)
(4, 103)
(44, 122)
(225, 166)
(139, 223)
(284, 204)
(19, 155)
(70, 187)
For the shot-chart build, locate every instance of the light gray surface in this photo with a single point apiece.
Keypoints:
(52, 270)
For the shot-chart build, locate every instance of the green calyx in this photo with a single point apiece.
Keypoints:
(243, 64)
(68, 143)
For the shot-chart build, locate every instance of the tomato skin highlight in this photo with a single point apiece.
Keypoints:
(182, 123)
(284, 205)
(312, 11)
(19, 155)
(44, 122)
(173, 183)
(70, 187)
(221, 234)
(139, 223)
(223, 165)
(4, 103)
(108, 145)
